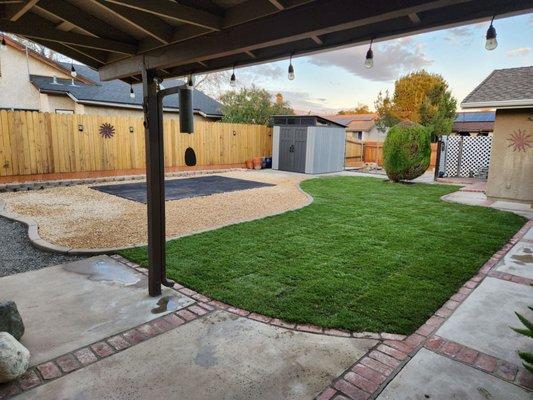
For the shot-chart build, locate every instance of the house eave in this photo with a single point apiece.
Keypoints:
(525, 103)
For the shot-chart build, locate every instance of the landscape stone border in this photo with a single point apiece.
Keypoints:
(40, 185)
(367, 378)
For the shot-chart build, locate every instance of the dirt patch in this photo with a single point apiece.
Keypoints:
(81, 217)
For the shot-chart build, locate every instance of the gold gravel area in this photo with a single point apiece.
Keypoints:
(80, 217)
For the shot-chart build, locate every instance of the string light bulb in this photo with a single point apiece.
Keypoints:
(132, 93)
(73, 72)
(291, 70)
(190, 80)
(232, 80)
(491, 42)
(369, 59)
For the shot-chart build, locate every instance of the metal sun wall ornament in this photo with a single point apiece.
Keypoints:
(520, 141)
(107, 130)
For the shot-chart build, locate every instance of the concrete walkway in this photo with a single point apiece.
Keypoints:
(473, 355)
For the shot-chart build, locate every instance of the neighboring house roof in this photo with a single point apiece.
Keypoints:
(476, 121)
(117, 93)
(503, 88)
(355, 122)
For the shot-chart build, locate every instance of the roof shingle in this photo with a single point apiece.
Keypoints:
(118, 92)
(503, 88)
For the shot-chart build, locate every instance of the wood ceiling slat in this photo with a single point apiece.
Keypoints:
(35, 27)
(176, 11)
(88, 23)
(147, 23)
(16, 11)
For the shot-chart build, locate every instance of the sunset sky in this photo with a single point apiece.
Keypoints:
(337, 79)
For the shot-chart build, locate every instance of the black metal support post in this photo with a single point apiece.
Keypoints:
(155, 183)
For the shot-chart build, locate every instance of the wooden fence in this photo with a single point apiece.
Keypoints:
(354, 153)
(359, 152)
(33, 143)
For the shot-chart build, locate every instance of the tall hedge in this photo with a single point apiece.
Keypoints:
(406, 151)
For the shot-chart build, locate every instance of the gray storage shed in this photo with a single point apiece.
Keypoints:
(309, 143)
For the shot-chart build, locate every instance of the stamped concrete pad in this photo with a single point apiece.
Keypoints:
(518, 261)
(220, 356)
(432, 376)
(482, 321)
(529, 235)
(72, 305)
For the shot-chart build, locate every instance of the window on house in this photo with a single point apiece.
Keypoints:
(64, 111)
(358, 135)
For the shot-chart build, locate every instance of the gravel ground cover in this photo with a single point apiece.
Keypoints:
(18, 255)
(81, 217)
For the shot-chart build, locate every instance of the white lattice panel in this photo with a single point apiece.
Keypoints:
(467, 156)
(452, 150)
(475, 157)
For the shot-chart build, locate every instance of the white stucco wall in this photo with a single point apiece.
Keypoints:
(374, 135)
(16, 91)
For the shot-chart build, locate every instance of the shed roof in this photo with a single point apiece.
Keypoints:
(503, 88)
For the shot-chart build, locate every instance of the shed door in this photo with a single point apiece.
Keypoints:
(300, 142)
(292, 147)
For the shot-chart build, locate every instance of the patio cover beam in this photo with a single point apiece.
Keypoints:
(304, 22)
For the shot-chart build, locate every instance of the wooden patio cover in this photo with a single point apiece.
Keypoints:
(137, 40)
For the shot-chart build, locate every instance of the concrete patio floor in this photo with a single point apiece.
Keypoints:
(221, 356)
(71, 305)
(80, 319)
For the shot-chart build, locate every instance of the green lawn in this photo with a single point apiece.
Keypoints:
(366, 255)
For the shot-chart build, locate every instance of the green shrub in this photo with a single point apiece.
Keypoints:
(406, 151)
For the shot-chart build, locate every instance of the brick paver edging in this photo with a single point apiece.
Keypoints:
(370, 374)
(482, 361)
(87, 355)
(308, 328)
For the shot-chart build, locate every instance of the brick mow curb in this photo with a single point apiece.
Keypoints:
(367, 378)
(89, 354)
(307, 328)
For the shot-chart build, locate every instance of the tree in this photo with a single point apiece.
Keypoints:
(419, 97)
(359, 109)
(252, 106)
(437, 111)
(406, 151)
(212, 83)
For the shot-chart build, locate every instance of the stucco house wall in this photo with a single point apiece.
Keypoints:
(511, 167)
(16, 90)
(374, 135)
